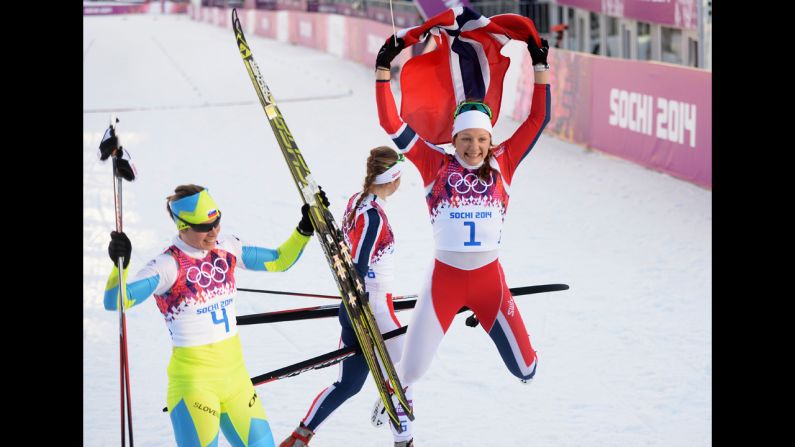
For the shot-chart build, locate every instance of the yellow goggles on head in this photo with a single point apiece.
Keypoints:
(194, 210)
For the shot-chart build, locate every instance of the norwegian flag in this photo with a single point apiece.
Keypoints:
(466, 64)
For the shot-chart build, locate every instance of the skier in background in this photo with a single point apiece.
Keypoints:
(194, 286)
(372, 243)
(467, 195)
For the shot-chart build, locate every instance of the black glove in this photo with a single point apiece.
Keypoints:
(124, 169)
(109, 143)
(388, 52)
(323, 197)
(538, 55)
(119, 246)
(305, 225)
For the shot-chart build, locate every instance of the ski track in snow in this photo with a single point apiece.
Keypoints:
(624, 355)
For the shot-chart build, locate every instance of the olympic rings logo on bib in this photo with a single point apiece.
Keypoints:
(208, 273)
(469, 182)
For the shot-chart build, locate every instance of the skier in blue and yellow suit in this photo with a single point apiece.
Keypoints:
(194, 287)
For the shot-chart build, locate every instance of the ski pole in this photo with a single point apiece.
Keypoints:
(121, 169)
(279, 292)
(313, 295)
(399, 303)
(514, 291)
(124, 360)
(472, 320)
(334, 357)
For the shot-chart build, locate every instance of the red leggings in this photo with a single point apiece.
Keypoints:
(485, 292)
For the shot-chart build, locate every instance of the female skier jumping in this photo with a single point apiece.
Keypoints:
(467, 195)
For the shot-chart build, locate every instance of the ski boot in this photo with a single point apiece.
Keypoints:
(299, 438)
(378, 416)
(409, 443)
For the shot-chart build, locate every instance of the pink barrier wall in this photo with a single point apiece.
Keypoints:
(656, 115)
(223, 18)
(308, 29)
(90, 9)
(155, 7)
(266, 24)
(364, 38)
(570, 88)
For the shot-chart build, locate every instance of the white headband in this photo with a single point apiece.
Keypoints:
(390, 175)
(472, 119)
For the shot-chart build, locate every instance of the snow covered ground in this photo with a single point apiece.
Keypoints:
(624, 355)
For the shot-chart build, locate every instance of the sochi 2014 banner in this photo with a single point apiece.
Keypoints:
(656, 115)
(430, 8)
